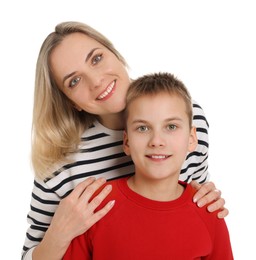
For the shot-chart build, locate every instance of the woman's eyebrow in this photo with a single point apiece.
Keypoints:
(89, 55)
(68, 76)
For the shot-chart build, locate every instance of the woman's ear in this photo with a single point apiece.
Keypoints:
(78, 108)
(192, 140)
(126, 147)
(75, 106)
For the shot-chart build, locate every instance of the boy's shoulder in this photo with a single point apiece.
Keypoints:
(209, 218)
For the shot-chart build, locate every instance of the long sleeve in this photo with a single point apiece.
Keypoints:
(196, 165)
(221, 242)
(43, 205)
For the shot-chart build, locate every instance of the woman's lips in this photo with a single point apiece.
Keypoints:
(107, 92)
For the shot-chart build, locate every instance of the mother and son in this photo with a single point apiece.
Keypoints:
(145, 136)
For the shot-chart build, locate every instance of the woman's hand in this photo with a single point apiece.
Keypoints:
(207, 193)
(74, 216)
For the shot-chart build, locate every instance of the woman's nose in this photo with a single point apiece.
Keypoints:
(95, 79)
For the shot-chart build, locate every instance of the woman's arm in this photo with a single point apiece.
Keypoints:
(74, 215)
(196, 167)
(100, 154)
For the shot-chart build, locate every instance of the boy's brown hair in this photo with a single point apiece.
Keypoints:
(155, 83)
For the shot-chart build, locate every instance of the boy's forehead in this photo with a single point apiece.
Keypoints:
(161, 103)
(157, 97)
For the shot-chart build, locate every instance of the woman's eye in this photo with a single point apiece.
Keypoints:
(142, 128)
(171, 127)
(74, 82)
(97, 58)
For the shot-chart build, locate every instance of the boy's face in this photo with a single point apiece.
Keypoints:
(158, 135)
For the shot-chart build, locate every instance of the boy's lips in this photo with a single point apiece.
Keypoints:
(158, 156)
(107, 92)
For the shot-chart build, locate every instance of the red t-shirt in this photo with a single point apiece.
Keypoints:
(140, 228)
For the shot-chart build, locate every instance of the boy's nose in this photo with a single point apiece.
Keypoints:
(157, 139)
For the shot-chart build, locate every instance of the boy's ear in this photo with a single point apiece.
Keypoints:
(192, 140)
(126, 147)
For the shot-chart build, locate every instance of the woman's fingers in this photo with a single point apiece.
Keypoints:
(210, 197)
(218, 205)
(76, 212)
(91, 204)
(87, 188)
(91, 195)
(91, 189)
(196, 186)
(223, 213)
(95, 217)
(79, 189)
(96, 201)
(206, 193)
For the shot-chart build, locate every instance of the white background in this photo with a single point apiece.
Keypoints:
(210, 45)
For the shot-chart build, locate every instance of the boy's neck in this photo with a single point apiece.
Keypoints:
(159, 190)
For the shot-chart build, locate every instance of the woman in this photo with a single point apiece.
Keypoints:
(80, 88)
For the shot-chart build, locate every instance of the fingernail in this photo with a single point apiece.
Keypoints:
(111, 203)
(210, 208)
(109, 187)
(200, 204)
(220, 215)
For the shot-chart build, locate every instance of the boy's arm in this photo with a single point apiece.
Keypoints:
(221, 242)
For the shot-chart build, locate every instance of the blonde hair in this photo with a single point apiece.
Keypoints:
(57, 126)
(155, 83)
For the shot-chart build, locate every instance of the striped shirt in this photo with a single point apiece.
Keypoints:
(101, 154)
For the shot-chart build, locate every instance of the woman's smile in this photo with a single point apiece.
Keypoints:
(107, 92)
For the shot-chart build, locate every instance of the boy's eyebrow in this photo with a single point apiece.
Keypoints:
(174, 119)
(166, 120)
(86, 60)
(136, 121)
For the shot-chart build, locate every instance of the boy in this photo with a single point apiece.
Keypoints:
(152, 207)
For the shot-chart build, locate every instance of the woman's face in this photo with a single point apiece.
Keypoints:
(90, 75)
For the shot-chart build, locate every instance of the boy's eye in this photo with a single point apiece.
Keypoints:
(171, 127)
(142, 128)
(97, 58)
(74, 82)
